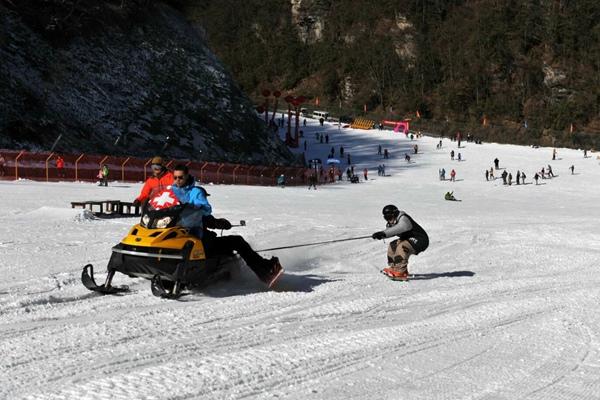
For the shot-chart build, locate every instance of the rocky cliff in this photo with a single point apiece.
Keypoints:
(122, 77)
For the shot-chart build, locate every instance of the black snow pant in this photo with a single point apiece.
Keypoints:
(226, 245)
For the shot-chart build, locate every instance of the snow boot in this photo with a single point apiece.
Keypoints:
(272, 273)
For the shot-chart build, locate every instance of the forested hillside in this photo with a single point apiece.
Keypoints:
(530, 68)
(121, 77)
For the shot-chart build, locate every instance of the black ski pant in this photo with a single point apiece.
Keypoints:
(226, 245)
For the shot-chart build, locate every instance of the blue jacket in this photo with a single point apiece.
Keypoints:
(198, 206)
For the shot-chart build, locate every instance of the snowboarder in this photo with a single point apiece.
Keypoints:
(443, 174)
(510, 179)
(523, 178)
(550, 173)
(407, 157)
(160, 179)
(572, 168)
(365, 172)
(449, 196)
(553, 154)
(349, 159)
(198, 215)
(416, 148)
(492, 177)
(382, 169)
(327, 138)
(496, 163)
(459, 157)
(453, 175)
(487, 175)
(452, 155)
(584, 153)
(412, 239)
(536, 177)
(379, 150)
(518, 177)
(504, 176)
(312, 180)
(386, 154)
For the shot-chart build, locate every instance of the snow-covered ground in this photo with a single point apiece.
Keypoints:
(503, 304)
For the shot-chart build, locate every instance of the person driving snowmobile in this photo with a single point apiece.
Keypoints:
(198, 219)
(412, 240)
(160, 179)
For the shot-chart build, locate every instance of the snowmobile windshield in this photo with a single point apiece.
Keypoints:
(162, 210)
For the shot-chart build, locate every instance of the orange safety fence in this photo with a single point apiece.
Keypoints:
(86, 167)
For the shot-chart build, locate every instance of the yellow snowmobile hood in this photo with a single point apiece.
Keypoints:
(170, 239)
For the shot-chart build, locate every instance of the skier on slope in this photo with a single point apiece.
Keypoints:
(412, 239)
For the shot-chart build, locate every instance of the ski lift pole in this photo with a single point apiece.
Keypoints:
(315, 243)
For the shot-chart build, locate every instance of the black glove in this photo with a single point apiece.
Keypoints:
(222, 223)
(378, 235)
(136, 203)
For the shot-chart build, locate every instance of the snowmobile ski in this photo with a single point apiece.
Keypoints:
(158, 288)
(87, 278)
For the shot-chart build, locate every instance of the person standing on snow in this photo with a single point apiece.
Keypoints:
(198, 215)
(2, 161)
(453, 176)
(536, 177)
(60, 167)
(523, 178)
(365, 173)
(452, 155)
(487, 175)
(496, 163)
(104, 172)
(572, 168)
(412, 239)
(160, 179)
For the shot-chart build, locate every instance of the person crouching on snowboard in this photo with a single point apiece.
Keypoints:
(197, 216)
(412, 239)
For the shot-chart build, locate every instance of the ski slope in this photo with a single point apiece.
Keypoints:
(503, 304)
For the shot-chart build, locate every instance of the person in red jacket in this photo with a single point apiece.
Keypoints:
(160, 179)
(60, 167)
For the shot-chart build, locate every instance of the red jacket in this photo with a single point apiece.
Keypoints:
(154, 183)
(60, 163)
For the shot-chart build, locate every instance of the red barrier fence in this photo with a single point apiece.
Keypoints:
(85, 167)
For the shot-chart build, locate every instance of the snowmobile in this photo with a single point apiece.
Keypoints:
(159, 249)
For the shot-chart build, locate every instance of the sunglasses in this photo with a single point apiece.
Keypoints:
(179, 177)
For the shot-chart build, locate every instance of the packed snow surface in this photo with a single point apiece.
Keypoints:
(503, 304)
